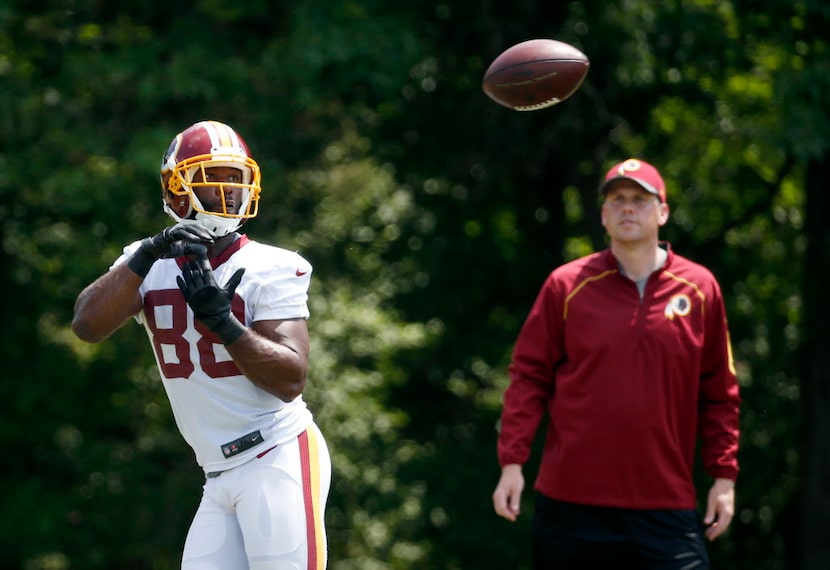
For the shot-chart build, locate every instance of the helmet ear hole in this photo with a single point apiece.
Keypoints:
(179, 204)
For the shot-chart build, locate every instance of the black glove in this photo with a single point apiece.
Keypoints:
(210, 303)
(186, 248)
(173, 241)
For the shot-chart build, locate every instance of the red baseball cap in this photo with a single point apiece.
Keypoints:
(638, 171)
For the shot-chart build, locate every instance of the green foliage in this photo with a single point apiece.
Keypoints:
(431, 217)
(356, 337)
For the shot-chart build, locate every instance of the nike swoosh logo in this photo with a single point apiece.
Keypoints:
(300, 273)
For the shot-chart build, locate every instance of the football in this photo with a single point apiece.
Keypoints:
(535, 74)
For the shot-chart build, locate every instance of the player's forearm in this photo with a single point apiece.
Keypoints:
(106, 304)
(275, 368)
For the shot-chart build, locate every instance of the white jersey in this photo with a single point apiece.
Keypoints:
(225, 418)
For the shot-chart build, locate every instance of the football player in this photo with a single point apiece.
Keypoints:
(226, 319)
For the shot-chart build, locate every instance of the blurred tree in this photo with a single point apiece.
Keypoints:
(431, 216)
(805, 85)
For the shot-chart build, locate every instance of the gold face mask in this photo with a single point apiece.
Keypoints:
(186, 169)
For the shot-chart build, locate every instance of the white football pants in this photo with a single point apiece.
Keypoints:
(266, 513)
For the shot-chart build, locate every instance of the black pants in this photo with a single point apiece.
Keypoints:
(567, 535)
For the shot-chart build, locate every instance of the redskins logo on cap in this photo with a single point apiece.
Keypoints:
(630, 165)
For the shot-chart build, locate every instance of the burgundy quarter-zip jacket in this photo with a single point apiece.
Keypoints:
(630, 385)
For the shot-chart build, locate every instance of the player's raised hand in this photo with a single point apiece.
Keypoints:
(211, 303)
(187, 249)
(183, 235)
(169, 242)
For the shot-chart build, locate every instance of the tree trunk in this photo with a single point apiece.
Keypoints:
(816, 381)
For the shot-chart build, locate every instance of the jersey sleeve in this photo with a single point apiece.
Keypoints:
(719, 395)
(281, 292)
(128, 250)
(126, 253)
(535, 356)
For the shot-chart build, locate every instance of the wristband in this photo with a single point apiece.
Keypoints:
(229, 330)
(140, 262)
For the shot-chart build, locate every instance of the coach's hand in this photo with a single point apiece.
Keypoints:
(211, 304)
(720, 508)
(180, 239)
(508, 494)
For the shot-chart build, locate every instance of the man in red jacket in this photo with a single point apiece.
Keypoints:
(628, 352)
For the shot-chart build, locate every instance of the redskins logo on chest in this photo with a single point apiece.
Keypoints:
(678, 306)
